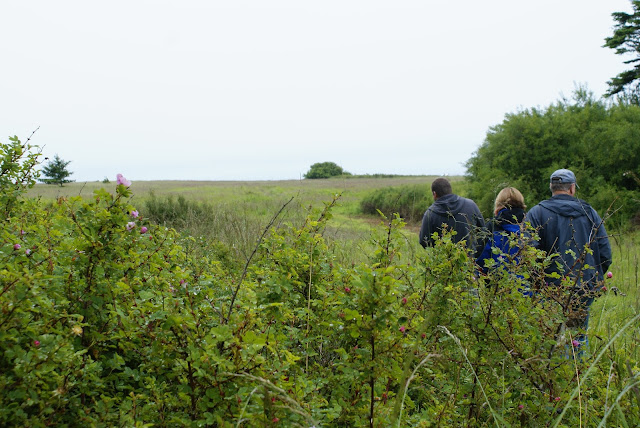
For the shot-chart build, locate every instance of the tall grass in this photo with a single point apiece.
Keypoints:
(621, 301)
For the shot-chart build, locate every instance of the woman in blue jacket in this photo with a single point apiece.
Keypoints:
(509, 214)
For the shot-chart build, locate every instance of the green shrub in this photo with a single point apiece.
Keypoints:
(325, 170)
(177, 212)
(410, 201)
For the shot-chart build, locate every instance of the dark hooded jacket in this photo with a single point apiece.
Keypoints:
(459, 214)
(567, 226)
(502, 226)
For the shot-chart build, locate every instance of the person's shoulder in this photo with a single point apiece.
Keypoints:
(468, 201)
(536, 209)
(585, 204)
(592, 212)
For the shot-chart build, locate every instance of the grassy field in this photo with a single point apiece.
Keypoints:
(258, 199)
(622, 299)
(312, 191)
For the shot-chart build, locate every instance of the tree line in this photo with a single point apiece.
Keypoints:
(595, 138)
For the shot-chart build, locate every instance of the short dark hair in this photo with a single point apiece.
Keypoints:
(560, 187)
(441, 186)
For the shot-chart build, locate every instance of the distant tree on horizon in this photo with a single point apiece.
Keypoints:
(56, 172)
(325, 170)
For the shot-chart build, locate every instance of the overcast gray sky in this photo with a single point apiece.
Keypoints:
(260, 90)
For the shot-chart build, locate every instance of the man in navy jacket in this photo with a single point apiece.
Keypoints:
(571, 228)
(455, 213)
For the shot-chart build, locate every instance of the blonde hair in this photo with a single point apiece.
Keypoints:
(509, 197)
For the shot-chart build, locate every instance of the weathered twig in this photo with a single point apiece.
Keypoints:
(255, 250)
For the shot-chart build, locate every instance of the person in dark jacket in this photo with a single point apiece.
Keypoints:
(509, 212)
(454, 213)
(572, 229)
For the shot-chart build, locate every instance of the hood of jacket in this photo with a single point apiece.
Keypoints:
(510, 216)
(450, 203)
(567, 206)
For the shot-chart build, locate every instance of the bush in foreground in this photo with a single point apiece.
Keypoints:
(106, 320)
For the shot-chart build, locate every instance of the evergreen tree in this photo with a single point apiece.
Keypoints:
(56, 172)
(626, 41)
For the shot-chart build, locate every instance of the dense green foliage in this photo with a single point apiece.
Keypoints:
(409, 202)
(598, 141)
(56, 172)
(626, 40)
(107, 319)
(325, 170)
(17, 172)
(177, 212)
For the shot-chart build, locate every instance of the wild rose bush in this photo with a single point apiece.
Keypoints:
(109, 320)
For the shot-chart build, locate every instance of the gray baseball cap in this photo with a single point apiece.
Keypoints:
(564, 176)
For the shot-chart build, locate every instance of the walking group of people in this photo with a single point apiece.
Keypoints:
(565, 225)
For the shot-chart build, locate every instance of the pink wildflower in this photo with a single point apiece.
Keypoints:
(17, 246)
(521, 406)
(134, 214)
(575, 343)
(36, 343)
(131, 225)
(347, 290)
(143, 229)
(402, 329)
(27, 251)
(23, 232)
(404, 300)
(121, 180)
(558, 398)
(609, 275)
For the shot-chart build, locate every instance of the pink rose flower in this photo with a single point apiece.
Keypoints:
(131, 225)
(134, 214)
(121, 180)
(143, 229)
(17, 246)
